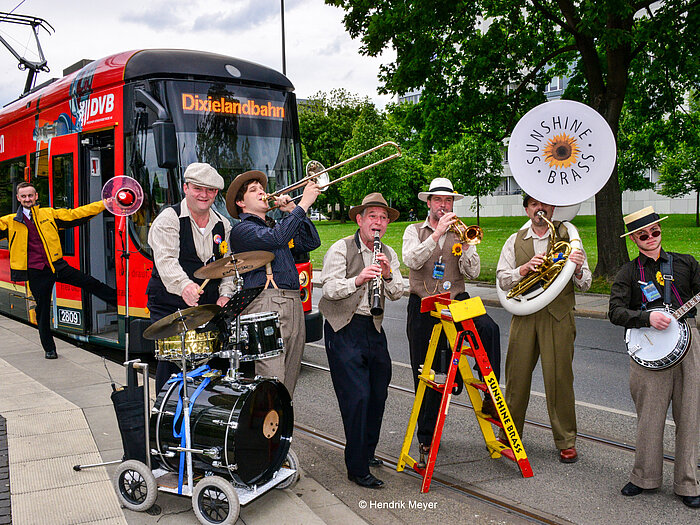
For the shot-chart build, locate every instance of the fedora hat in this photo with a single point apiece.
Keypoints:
(641, 219)
(236, 184)
(440, 186)
(374, 200)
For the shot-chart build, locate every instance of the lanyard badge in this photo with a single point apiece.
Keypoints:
(439, 269)
(650, 291)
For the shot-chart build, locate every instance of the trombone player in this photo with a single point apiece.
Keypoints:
(438, 263)
(548, 333)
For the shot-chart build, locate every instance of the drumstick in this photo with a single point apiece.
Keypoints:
(201, 286)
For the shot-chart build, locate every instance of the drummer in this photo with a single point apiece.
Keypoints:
(246, 199)
(183, 238)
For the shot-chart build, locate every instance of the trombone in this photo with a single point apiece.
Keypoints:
(316, 172)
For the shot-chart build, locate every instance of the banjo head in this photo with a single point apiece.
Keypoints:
(658, 349)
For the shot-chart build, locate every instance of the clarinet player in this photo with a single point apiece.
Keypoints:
(358, 273)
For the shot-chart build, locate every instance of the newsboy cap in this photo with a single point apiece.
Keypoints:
(203, 174)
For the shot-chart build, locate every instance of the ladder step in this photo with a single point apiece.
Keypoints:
(476, 383)
(440, 387)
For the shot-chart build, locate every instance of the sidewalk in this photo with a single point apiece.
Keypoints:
(59, 414)
(587, 304)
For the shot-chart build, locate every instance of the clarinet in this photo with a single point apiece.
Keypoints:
(376, 288)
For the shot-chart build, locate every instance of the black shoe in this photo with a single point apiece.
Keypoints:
(632, 490)
(375, 462)
(368, 481)
(51, 355)
(424, 450)
(691, 501)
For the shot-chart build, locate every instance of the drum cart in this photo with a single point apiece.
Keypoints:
(214, 498)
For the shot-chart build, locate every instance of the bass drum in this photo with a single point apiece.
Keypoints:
(248, 424)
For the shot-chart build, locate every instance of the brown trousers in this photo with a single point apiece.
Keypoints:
(287, 304)
(652, 391)
(535, 336)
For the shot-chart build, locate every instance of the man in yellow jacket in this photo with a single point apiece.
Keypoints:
(36, 255)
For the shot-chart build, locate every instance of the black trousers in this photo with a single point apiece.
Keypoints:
(361, 371)
(41, 283)
(419, 328)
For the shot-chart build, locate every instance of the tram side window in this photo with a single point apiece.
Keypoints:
(11, 174)
(39, 168)
(63, 196)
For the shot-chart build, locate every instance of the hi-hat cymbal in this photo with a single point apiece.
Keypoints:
(181, 321)
(226, 266)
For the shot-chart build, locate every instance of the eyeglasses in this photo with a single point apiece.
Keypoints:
(645, 236)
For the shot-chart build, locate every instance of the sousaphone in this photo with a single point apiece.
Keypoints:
(560, 153)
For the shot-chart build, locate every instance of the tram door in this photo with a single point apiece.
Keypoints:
(98, 248)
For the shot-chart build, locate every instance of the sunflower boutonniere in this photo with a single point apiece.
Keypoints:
(223, 248)
(457, 249)
(659, 278)
(291, 244)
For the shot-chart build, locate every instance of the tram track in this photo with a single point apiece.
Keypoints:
(532, 515)
(601, 440)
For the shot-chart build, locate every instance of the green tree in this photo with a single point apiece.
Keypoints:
(474, 165)
(488, 61)
(326, 122)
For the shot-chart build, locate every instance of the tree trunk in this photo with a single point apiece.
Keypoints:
(343, 217)
(477, 211)
(612, 250)
(697, 208)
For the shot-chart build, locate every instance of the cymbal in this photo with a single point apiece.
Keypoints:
(226, 266)
(181, 321)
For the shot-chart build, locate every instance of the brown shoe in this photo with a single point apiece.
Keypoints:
(568, 455)
(424, 451)
(489, 409)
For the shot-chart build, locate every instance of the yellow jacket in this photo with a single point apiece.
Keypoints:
(48, 221)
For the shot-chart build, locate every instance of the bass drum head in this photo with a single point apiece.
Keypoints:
(264, 432)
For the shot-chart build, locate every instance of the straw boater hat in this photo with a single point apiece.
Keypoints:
(641, 219)
(236, 184)
(374, 200)
(440, 186)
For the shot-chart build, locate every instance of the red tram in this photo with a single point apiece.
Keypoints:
(147, 114)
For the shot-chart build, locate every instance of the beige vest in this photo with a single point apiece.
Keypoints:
(421, 282)
(525, 250)
(339, 312)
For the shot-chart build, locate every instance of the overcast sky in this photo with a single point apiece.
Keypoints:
(320, 54)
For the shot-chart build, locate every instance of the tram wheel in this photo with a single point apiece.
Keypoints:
(292, 462)
(214, 500)
(136, 485)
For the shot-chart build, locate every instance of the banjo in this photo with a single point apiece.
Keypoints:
(660, 349)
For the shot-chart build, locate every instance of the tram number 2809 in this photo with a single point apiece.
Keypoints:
(70, 317)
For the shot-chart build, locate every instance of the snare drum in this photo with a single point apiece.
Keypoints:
(260, 336)
(197, 346)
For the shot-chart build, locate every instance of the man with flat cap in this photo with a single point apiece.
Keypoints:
(355, 340)
(438, 262)
(653, 279)
(246, 199)
(185, 237)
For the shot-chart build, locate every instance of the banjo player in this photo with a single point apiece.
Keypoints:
(642, 285)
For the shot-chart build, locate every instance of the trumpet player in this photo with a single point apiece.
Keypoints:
(355, 270)
(548, 333)
(438, 262)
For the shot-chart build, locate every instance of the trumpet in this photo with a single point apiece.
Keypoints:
(376, 287)
(470, 235)
(316, 172)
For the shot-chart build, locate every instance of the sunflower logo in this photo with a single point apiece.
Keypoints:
(561, 151)
(457, 249)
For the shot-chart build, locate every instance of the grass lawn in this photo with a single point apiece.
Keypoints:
(679, 235)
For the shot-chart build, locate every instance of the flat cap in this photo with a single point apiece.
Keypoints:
(203, 174)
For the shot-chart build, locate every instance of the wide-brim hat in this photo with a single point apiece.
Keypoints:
(202, 174)
(641, 219)
(236, 184)
(440, 186)
(374, 200)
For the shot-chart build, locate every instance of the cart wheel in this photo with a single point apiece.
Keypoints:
(292, 462)
(135, 485)
(214, 500)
